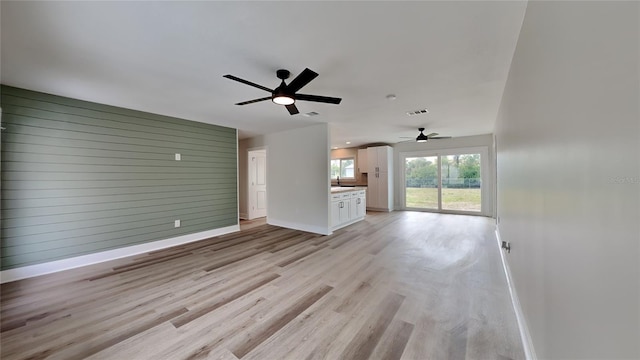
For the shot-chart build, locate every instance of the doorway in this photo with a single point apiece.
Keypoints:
(450, 181)
(257, 206)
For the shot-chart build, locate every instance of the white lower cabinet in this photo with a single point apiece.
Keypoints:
(347, 208)
(345, 204)
(358, 204)
(335, 212)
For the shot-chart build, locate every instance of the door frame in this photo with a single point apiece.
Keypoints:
(250, 213)
(485, 190)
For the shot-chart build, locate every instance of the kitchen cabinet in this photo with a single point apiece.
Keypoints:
(380, 178)
(363, 161)
(358, 207)
(340, 205)
(379, 158)
(344, 211)
(347, 207)
(335, 212)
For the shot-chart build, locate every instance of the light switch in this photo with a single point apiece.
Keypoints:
(176, 223)
(178, 157)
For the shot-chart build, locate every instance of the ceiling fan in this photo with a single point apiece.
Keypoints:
(423, 138)
(286, 94)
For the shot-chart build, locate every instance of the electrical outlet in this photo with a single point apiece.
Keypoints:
(176, 223)
(178, 157)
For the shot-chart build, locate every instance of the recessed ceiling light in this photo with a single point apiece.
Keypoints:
(335, 148)
(348, 142)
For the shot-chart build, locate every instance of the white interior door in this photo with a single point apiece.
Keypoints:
(257, 184)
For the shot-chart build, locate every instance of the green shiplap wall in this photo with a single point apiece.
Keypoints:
(81, 177)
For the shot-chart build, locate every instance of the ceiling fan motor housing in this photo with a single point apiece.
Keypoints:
(281, 95)
(283, 74)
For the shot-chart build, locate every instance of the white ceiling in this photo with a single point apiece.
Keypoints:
(169, 57)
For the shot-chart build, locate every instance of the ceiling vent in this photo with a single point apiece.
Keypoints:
(310, 114)
(417, 112)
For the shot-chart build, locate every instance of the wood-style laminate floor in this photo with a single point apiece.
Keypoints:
(400, 285)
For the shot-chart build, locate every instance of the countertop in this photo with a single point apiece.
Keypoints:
(339, 189)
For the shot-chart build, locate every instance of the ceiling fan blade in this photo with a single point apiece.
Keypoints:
(439, 137)
(301, 80)
(292, 109)
(318, 98)
(432, 134)
(254, 101)
(247, 82)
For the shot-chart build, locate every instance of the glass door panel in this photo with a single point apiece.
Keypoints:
(421, 182)
(461, 182)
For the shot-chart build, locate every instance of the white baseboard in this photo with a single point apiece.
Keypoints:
(296, 226)
(525, 336)
(90, 259)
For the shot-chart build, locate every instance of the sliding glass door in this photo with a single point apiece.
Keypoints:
(461, 182)
(447, 182)
(421, 190)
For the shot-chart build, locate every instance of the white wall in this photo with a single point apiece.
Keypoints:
(568, 137)
(444, 145)
(298, 179)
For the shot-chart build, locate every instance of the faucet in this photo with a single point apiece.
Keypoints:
(338, 180)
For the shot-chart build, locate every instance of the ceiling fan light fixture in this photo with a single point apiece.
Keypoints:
(283, 100)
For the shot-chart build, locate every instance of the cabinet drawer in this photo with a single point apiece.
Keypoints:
(346, 195)
(336, 197)
(359, 193)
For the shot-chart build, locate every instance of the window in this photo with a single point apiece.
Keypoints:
(345, 168)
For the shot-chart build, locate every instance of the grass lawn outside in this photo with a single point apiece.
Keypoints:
(452, 199)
